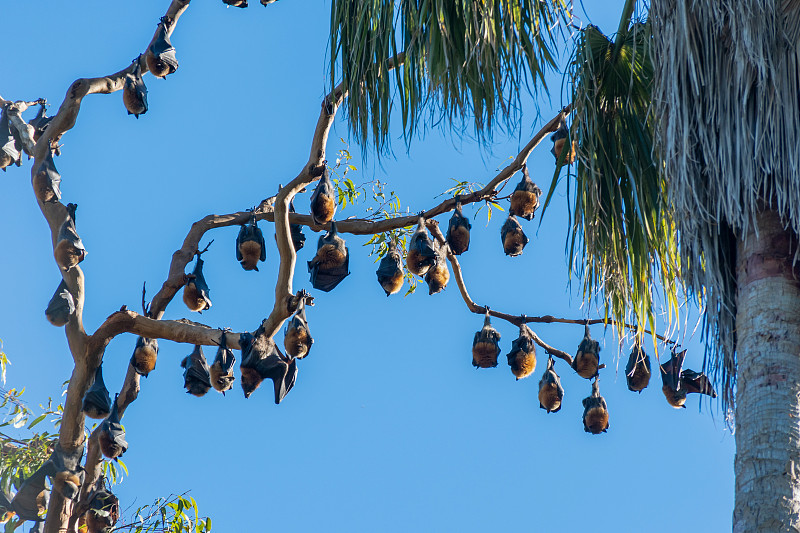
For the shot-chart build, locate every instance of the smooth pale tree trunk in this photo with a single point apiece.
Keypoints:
(767, 464)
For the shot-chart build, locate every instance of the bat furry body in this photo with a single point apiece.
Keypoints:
(587, 359)
(525, 198)
(236, 3)
(196, 375)
(66, 471)
(512, 236)
(485, 345)
(195, 293)
(637, 371)
(134, 93)
(112, 436)
(677, 383)
(221, 371)
(559, 139)
(522, 357)
(61, 306)
(69, 249)
(458, 231)
(551, 393)
(261, 360)
(47, 180)
(297, 338)
(250, 246)
(97, 401)
(103, 511)
(323, 200)
(144, 356)
(595, 412)
(390, 271)
(331, 263)
(160, 56)
(437, 275)
(421, 254)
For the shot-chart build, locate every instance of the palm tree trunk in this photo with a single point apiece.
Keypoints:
(767, 464)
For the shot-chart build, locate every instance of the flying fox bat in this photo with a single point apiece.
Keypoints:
(637, 371)
(40, 121)
(437, 275)
(677, 383)
(261, 360)
(47, 180)
(9, 145)
(250, 247)
(323, 199)
(296, 231)
(221, 371)
(421, 254)
(103, 510)
(144, 356)
(97, 402)
(195, 293)
(512, 236)
(587, 359)
(595, 412)
(525, 198)
(236, 3)
(61, 306)
(67, 472)
(69, 249)
(32, 497)
(112, 436)
(559, 139)
(196, 374)
(297, 338)
(332, 262)
(522, 357)
(160, 56)
(485, 345)
(390, 271)
(134, 94)
(551, 393)
(458, 231)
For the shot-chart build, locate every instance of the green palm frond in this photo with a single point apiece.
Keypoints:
(623, 242)
(462, 59)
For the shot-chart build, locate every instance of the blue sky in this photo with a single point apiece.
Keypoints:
(389, 427)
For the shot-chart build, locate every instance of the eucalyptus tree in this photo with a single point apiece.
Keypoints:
(686, 182)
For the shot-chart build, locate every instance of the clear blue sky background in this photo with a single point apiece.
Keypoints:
(389, 427)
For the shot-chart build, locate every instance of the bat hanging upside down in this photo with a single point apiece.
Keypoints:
(458, 231)
(677, 383)
(595, 412)
(637, 371)
(551, 393)
(250, 246)
(525, 198)
(390, 271)
(485, 345)
(522, 357)
(587, 360)
(421, 254)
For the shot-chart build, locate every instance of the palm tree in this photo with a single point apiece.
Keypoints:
(686, 180)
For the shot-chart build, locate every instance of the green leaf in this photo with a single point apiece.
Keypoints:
(37, 420)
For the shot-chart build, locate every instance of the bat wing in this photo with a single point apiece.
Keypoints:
(49, 175)
(61, 306)
(388, 268)
(260, 238)
(8, 143)
(97, 398)
(671, 371)
(282, 373)
(240, 238)
(298, 237)
(326, 280)
(697, 382)
(24, 501)
(163, 49)
(225, 359)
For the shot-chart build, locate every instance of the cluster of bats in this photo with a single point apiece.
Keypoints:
(676, 382)
(65, 474)
(261, 358)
